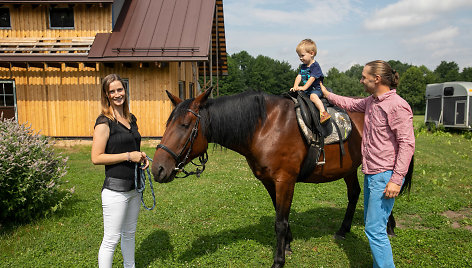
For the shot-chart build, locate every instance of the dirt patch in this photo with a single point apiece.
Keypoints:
(72, 142)
(453, 215)
(67, 143)
(457, 216)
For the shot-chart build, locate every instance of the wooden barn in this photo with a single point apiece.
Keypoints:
(54, 54)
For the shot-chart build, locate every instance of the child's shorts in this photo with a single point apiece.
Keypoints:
(314, 91)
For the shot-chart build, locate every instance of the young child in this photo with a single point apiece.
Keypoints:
(311, 75)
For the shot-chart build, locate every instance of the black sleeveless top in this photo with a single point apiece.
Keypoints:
(121, 140)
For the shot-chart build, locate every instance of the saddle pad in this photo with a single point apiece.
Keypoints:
(344, 123)
(338, 116)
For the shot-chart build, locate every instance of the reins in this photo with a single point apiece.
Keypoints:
(142, 184)
(203, 158)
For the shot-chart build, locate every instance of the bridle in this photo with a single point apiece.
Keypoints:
(203, 158)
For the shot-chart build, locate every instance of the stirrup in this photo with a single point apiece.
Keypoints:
(324, 158)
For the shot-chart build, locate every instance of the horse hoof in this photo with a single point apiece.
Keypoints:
(339, 237)
(288, 252)
(392, 234)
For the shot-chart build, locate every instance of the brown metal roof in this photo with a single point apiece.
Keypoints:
(158, 30)
(56, 2)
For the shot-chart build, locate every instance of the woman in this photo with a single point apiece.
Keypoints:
(116, 144)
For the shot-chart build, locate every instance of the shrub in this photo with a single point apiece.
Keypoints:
(30, 174)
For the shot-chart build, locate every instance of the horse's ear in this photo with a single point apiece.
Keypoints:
(174, 99)
(202, 98)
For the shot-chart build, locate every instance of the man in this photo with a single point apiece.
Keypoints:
(388, 144)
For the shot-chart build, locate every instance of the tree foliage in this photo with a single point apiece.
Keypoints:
(261, 73)
(246, 72)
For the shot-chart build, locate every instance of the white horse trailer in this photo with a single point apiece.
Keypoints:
(449, 104)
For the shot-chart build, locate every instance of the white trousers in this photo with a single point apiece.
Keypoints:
(120, 217)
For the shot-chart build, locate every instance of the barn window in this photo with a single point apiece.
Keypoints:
(7, 99)
(182, 90)
(5, 18)
(126, 85)
(62, 18)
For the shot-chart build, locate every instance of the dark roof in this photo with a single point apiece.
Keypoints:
(56, 2)
(158, 30)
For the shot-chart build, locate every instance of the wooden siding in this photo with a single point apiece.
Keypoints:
(28, 21)
(65, 102)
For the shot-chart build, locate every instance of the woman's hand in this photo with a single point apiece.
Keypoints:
(324, 90)
(139, 157)
(144, 160)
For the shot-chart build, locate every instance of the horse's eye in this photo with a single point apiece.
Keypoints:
(185, 125)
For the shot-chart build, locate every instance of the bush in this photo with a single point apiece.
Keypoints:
(30, 174)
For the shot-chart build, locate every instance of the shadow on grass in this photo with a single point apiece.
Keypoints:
(314, 223)
(156, 245)
(66, 210)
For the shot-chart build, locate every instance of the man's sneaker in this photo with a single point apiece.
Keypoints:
(325, 116)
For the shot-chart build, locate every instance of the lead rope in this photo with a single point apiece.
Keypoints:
(142, 184)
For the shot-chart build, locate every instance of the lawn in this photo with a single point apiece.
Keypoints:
(225, 218)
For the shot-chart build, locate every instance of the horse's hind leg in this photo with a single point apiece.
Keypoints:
(391, 224)
(353, 191)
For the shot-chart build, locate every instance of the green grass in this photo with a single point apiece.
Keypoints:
(226, 219)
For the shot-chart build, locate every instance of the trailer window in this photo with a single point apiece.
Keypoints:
(448, 91)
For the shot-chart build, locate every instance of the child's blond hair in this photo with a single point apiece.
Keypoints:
(307, 45)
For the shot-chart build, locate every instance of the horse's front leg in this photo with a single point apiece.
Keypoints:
(270, 187)
(283, 201)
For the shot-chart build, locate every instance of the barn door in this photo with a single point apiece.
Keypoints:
(8, 99)
(460, 113)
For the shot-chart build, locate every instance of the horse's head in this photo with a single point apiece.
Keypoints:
(183, 139)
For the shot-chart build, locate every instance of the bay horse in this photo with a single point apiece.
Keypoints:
(264, 129)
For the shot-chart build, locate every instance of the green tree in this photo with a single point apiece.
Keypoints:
(447, 71)
(261, 73)
(466, 74)
(343, 84)
(355, 71)
(234, 82)
(398, 66)
(412, 87)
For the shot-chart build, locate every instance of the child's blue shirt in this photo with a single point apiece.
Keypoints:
(313, 71)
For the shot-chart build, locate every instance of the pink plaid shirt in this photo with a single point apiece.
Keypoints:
(388, 140)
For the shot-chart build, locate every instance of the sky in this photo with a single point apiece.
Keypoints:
(348, 32)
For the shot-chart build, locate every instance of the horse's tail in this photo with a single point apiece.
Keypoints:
(407, 183)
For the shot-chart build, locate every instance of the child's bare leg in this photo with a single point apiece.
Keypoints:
(316, 100)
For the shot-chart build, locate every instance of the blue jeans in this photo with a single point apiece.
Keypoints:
(377, 209)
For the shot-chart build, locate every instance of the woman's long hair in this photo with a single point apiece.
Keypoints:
(107, 110)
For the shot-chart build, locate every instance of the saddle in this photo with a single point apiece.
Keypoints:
(317, 135)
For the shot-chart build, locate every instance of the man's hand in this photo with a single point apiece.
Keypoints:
(391, 190)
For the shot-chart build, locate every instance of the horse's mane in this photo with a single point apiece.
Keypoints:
(232, 120)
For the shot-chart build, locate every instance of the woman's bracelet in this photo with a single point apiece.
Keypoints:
(129, 160)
